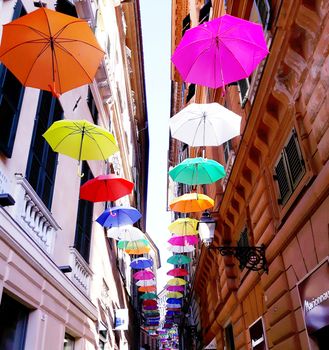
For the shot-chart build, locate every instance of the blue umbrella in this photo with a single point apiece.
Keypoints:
(119, 216)
(174, 301)
(141, 263)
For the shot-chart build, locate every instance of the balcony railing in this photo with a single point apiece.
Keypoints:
(34, 216)
(81, 273)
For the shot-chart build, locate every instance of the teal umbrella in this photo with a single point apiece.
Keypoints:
(149, 296)
(179, 259)
(197, 171)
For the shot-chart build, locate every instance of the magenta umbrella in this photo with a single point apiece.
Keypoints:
(183, 240)
(144, 275)
(220, 51)
(175, 288)
(177, 272)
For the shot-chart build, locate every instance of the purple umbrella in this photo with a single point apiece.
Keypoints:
(220, 51)
(175, 288)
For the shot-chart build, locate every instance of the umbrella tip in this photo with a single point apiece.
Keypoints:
(53, 91)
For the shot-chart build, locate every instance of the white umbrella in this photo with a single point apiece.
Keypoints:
(125, 233)
(205, 125)
(181, 249)
(145, 283)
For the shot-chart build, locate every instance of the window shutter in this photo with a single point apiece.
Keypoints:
(283, 180)
(294, 160)
(243, 90)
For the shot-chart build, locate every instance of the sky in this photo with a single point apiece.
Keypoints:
(156, 31)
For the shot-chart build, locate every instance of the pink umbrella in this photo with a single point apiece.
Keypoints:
(144, 275)
(220, 51)
(183, 240)
(175, 288)
(177, 272)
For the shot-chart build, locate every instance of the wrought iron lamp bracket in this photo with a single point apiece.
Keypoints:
(252, 258)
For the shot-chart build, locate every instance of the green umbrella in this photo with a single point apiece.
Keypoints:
(179, 259)
(197, 171)
(149, 296)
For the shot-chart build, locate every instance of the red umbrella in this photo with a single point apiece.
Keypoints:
(177, 272)
(105, 188)
(150, 302)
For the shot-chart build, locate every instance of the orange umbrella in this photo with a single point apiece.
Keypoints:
(191, 202)
(147, 289)
(51, 51)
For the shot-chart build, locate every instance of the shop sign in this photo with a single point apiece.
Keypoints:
(121, 319)
(257, 335)
(314, 296)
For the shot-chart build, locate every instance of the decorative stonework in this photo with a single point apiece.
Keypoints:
(34, 216)
(81, 273)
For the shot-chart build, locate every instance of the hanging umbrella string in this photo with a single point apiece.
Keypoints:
(80, 150)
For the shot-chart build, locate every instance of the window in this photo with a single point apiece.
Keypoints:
(191, 92)
(205, 12)
(66, 7)
(11, 97)
(229, 338)
(289, 169)
(186, 24)
(13, 323)
(263, 12)
(68, 342)
(92, 106)
(227, 150)
(84, 219)
(42, 161)
(243, 85)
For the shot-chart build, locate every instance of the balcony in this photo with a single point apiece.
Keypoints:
(81, 274)
(34, 217)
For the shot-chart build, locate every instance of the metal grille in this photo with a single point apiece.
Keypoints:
(244, 90)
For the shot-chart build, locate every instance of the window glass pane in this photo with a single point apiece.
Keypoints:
(68, 342)
(13, 324)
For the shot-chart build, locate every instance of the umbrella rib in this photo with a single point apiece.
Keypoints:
(75, 59)
(87, 133)
(44, 35)
(25, 42)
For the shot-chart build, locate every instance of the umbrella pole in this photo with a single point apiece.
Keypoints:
(80, 151)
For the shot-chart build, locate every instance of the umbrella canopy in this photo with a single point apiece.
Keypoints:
(205, 125)
(145, 283)
(175, 288)
(147, 289)
(174, 306)
(140, 246)
(149, 296)
(119, 216)
(220, 51)
(150, 307)
(81, 140)
(174, 301)
(179, 259)
(149, 302)
(175, 295)
(184, 226)
(151, 312)
(183, 240)
(197, 171)
(144, 275)
(181, 249)
(176, 282)
(125, 233)
(50, 51)
(177, 272)
(105, 188)
(191, 203)
(141, 263)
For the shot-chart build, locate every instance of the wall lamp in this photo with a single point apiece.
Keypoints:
(251, 258)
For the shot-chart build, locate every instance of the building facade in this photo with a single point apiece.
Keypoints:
(60, 287)
(276, 189)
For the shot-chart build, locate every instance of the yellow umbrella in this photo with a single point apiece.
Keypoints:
(191, 202)
(184, 227)
(175, 295)
(176, 282)
(81, 140)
